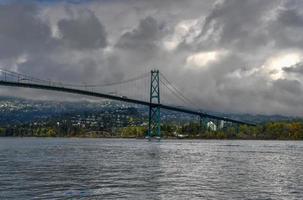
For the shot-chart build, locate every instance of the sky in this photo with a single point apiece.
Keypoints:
(240, 56)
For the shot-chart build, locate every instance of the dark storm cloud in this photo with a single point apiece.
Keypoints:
(22, 31)
(84, 70)
(290, 17)
(101, 41)
(286, 28)
(140, 48)
(297, 68)
(251, 31)
(144, 37)
(293, 87)
(237, 24)
(83, 32)
(25, 35)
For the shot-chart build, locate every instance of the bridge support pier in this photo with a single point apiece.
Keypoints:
(203, 124)
(218, 123)
(154, 118)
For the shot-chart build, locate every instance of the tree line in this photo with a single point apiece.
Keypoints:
(284, 130)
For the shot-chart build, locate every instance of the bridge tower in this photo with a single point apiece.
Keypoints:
(154, 118)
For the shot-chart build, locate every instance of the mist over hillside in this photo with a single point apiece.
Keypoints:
(19, 110)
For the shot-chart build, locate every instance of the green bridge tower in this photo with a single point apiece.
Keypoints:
(154, 118)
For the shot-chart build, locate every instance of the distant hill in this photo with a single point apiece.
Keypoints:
(17, 110)
(258, 118)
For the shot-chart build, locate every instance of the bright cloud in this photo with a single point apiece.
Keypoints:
(202, 59)
(184, 31)
(274, 65)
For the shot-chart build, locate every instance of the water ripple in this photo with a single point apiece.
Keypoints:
(63, 168)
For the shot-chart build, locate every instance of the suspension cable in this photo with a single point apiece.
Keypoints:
(178, 91)
(144, 75)
(29, 78)
(173, 92)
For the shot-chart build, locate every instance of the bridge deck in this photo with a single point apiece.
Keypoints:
(108, 96)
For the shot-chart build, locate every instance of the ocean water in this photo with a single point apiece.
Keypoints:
(71, 168)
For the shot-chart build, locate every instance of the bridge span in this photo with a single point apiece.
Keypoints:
(118, 98)
(154, 107)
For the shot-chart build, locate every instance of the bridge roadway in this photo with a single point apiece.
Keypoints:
(113, 97)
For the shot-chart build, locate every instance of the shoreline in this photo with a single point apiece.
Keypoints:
(164, 138)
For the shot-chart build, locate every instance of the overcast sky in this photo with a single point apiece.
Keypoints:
(230, 56)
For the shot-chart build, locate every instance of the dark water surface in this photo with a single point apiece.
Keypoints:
(63, 168)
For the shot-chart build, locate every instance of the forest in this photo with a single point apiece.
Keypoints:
(284, 130)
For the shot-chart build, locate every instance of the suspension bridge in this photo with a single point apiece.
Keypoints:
(145, 89)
